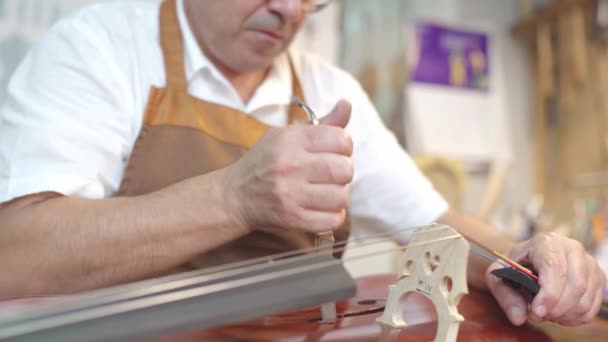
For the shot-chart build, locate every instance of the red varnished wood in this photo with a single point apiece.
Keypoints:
(484, 321)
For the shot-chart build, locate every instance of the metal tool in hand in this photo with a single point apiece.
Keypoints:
(312, 117)
(324, 242)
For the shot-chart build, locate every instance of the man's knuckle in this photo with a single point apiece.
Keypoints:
(342, 199)
(335, 220)
(551, 298)
(578, 246)
(553, 263)
(349, 169)
(291, 218)
(346, 198)
(579, 287)
(544, 238)
(340, 170)
(347, 143)
(585, 305)
(284, 165)
(333, 171)
(281, 194)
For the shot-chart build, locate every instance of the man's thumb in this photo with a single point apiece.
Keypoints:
(339, 116)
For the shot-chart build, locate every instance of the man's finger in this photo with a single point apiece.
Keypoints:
(330, 198)
(577, 283)
(320, 221)
(329, 168)
(328, 139)
(339, 116)
(581, 307)
(588, 316)
(588, 306)
(512, 303)
(552, 268)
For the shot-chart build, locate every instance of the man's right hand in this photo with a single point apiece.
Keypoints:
(295, 177)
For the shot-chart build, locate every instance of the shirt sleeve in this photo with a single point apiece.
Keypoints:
(63, 127)
(388, 192)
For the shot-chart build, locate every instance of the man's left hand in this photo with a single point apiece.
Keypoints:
(571, 282)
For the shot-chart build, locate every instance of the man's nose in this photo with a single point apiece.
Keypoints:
(289, 10)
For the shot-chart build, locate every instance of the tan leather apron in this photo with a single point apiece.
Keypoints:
(183, 137)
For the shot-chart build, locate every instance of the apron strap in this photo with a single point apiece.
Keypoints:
(172, 44)
(296, 113)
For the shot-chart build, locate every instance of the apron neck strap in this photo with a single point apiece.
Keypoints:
(296, 113)
(172, 44)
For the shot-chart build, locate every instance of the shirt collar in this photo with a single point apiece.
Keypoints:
(195, 59)
(276, 88)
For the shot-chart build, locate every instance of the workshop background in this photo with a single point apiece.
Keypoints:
(499, 101)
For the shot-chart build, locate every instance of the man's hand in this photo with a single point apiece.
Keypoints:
(571, 282)
(295, 177)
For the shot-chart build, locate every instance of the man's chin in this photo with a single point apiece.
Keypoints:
(253, 58)
(260, 61)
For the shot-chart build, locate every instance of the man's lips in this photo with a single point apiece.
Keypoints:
(271, 34)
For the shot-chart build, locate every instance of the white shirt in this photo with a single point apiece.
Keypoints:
(75, 108)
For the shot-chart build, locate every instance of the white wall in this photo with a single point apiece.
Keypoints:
(515, 97)
(321, 34)
(508, 123)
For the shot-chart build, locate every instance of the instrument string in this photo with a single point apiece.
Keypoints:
(205, 279)
(232, 269)
(505, 259)
(358, 243)
(139, 302)
(341, 246)
(217, 273)
(101, 309)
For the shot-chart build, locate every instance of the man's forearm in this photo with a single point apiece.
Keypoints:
(483, 233)
(64, 244)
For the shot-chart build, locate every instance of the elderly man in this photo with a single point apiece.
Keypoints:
(142, 137)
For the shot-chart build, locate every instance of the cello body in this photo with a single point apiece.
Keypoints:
(256, 302)
(483, 321)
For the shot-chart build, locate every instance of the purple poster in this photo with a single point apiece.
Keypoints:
(450, 57)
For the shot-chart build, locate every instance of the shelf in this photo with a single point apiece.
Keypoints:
(526, 27)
